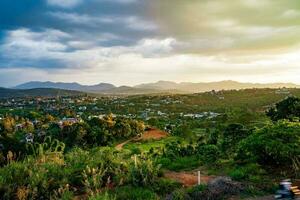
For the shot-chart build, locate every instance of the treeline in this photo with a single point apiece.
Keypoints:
(85, 134)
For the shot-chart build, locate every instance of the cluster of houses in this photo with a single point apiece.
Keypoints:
(207, 115)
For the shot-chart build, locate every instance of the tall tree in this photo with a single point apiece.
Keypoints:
(288, 108)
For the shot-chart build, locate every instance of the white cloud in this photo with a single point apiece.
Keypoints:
(136, 23)
(255, 3)
(290, 14)
(131, 22)
(119, 1)
(23, 43)
(149, 59)
(64, 3)
(151, 47)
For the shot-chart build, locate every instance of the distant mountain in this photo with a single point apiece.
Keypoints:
(203, 87)
(66, 86)
(39, 92)
(126, 90)
(158, 87)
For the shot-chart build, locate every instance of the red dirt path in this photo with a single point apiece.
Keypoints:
(187, 179)
(155, 134)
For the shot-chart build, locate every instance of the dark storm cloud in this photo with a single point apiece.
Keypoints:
(89, 23)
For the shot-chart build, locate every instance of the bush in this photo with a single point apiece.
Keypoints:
(105, 196)
(197, 191)
(252, 172)
(209, 153)
(274, 145)
(288, 108)
(238, 174)
(134, 193)
(181, 163)
(178, 194)
(143, 173)
(32, 179)
(165, 186)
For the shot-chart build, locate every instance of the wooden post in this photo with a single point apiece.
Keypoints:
(199, 178)
(135, 163)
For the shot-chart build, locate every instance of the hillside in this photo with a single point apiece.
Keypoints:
(45, 92)
(65, 86)
(204, 87)
(158, 87)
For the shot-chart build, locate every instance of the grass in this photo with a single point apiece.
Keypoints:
(180, 163)
(147, 145)
(134, 193)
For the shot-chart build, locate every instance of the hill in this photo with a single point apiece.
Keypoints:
(204, 87)
(44, 92)
(65, 86)
(158, 87)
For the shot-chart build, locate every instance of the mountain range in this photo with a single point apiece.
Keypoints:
(157, 87)
(65, 86)
(37, 92)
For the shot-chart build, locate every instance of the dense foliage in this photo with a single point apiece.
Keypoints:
(289, 108)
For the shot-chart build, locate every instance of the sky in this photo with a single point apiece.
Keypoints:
(127, 42)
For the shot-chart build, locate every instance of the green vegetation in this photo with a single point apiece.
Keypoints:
(65, 147)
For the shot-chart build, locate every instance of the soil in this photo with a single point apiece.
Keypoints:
(187, 179)
(154, 134)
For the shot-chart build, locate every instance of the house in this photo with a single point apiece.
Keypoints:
(282, 91)
(82, 108)
(68, 121)
(29, 138)
(19, 126)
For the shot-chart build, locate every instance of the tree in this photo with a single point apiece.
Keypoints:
(232, 135)
(122, 128)
(49, 118)
(54, 131)
(9, 124)
(274, 145)
(289, 109)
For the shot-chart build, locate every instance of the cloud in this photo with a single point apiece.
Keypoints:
(291, 14)
(64, 3)
(24, 44)
(146, 60)
(73, 3)
(226, 25)
(119, 1)
(256, 3)
(132, 41)
(131, 22)
(53, 44)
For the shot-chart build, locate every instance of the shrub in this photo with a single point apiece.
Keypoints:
(165, 186)
(274, 145)
(238, 174)
(143, 173)
(251, 171)
(196, 192)
(93, 179)
(178, 194)
(208, 153)
(134, 193)
(101, 196)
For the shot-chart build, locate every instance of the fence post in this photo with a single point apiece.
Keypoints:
(135, 163)
(199, 178)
